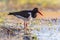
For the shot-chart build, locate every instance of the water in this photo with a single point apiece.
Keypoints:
(48, 33)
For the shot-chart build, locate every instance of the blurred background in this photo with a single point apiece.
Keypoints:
(49, 8)
(26, 4)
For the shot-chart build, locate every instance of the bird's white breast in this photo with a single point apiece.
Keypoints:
(30, 17)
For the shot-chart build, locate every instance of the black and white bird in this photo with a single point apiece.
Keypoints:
(25, 14)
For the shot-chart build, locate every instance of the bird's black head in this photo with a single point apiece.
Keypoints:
(34, 12)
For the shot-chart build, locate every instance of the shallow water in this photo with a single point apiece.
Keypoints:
(48, 33)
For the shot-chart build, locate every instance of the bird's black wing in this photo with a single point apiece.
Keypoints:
(24, 14)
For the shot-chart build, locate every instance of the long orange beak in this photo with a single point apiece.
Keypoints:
(40, 13)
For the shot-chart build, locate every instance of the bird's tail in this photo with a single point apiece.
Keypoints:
(10, 14)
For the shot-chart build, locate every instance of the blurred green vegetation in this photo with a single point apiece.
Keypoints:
(15, 5)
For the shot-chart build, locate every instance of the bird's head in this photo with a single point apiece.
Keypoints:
(35, 11)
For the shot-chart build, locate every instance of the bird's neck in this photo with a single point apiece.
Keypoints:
(30, 17)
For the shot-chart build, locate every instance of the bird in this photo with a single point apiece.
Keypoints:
(25, 14)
